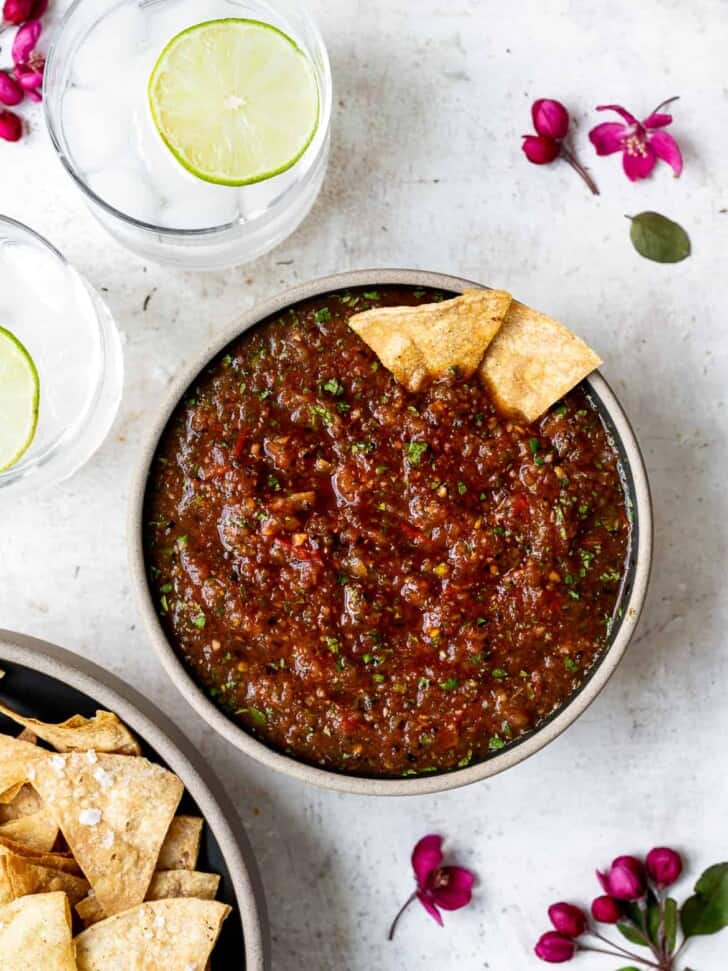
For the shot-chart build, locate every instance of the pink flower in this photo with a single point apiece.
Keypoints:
(29, 63)
(11, 127)
(641, 143)
(624, 880)
(11, 93)
(551, 121)
(606, 910)
(567, 919)
(664, 866)
(438, 887)
(555, 948)
(18, 11)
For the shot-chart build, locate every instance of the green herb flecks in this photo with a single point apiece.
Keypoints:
(414, 451)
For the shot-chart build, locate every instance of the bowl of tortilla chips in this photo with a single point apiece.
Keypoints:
(118, 849)
(528, 362)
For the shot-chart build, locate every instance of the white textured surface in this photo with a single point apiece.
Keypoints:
(427, 172)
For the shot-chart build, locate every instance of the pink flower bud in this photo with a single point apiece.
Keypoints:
(17, 11)
(632, 863)
(550, 118)
(34, 95)
(664, 866)
(567, 919)
(11, 127)
(25, 41)
(622, 881)
(540, 149)
(555, 948)
(11, 93)
(606, 910)
(29, 77)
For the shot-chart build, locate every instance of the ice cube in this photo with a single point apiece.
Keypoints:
(256, 199)
(125, 188)
(96, 125)
(110, 44)
(201, 208)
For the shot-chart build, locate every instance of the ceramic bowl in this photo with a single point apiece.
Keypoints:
(632, 597)
(46, 682)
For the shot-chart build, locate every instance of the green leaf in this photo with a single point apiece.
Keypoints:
(633, 935)
(630, 968)
(671, 922)
(706, 912)
(660, 239)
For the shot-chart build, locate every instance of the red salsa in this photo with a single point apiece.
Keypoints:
(371, 580)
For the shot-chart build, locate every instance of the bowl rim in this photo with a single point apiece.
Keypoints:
(180, 755)
(641, 555)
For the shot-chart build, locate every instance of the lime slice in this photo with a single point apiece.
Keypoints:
(236, 101)
(19, 394)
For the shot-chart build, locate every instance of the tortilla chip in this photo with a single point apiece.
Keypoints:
(10, 794)
(56, 861)
(15, 760)
(165, 884)
(35, 932)
(158, 936)
(181, 845)
(25, 802)
(533, 362)
(27, 736)
(114, 811)
(38, 831)
(103, 733)
(20, 877)
(417, 343)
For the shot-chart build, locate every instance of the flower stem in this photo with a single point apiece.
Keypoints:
(625, 952)
(664, 104)
(616, 954)
(567, 154)
(401, 910)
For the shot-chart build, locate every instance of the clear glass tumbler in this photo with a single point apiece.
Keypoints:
(97, 114)
(69, 333)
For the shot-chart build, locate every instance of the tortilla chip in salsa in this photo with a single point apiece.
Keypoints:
(533, 362)
(428, 340)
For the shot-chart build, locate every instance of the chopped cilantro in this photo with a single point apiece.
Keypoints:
(465, 760)
(534, 445)
(274, 483)
(570, 664)
(372, 294)
(257, 717)
(265, 393)
(322, 315)
(332, 644)
(500, 674)
(449, 684)
(415, 451)
(496, 743)
(462, 488)
(342, 407)
(423, 683)
(381, 469)
(574, 595)
(199, 620)
(333, 386)
(322, 412)
(226, 361)
(166, 588)
(378, 678)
